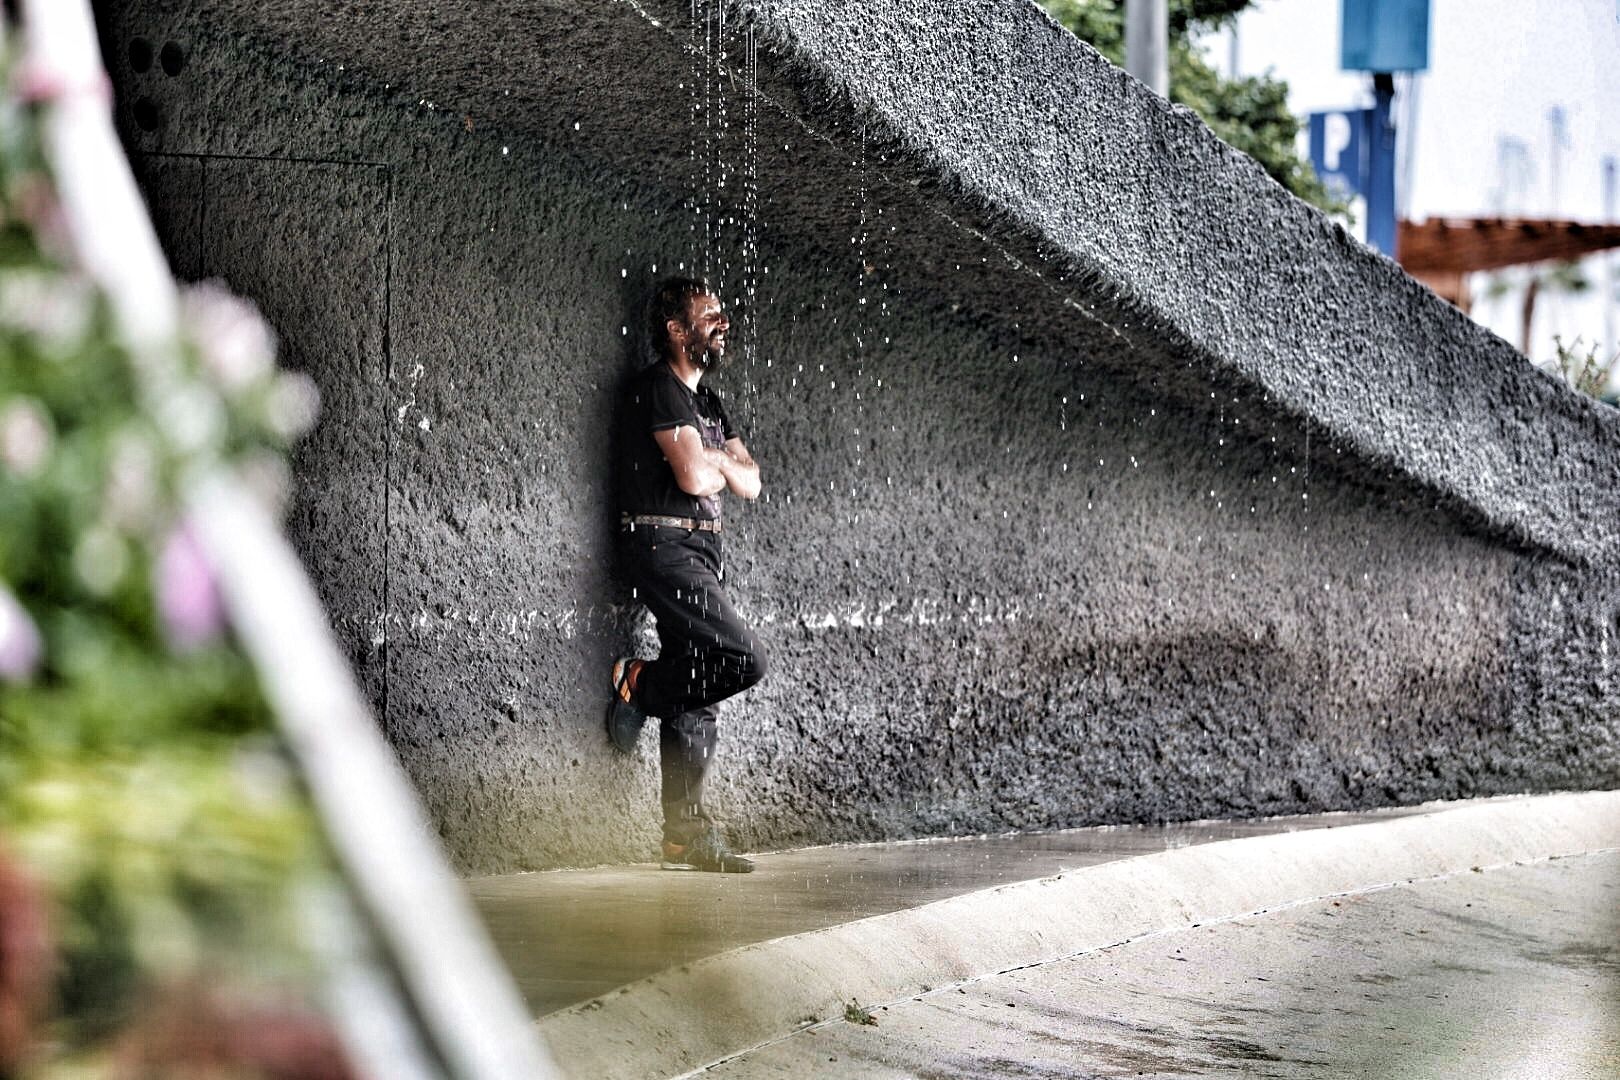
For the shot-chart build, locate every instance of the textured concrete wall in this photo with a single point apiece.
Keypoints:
(1020, 564)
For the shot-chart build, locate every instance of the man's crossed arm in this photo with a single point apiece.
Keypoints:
(701, 471)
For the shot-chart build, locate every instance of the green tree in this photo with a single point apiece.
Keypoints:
(1250, 114)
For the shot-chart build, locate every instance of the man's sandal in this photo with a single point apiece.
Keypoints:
(624, 719)
(706, 852)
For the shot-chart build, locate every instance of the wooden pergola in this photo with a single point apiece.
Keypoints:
(1442, 252)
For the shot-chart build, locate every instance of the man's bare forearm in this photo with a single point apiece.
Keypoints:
(742, 477)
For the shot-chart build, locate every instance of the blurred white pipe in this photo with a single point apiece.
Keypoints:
(1611, 347)
(1147, 43)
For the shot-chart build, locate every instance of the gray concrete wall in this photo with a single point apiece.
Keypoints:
(1014, 568)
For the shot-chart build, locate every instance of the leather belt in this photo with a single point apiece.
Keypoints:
(627, 521)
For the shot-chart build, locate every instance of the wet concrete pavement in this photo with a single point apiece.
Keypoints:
(571, 935)
(1509, 972)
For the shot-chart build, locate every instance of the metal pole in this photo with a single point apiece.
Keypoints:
(1557, 139)
(1610, 345)
(1147, 36)
(1406, 143)
(1381, 167)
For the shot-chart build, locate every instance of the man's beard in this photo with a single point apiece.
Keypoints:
(708, 358)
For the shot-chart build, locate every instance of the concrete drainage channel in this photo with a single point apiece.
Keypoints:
(685, 1019)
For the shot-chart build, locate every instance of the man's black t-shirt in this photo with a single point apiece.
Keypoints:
(656, 401)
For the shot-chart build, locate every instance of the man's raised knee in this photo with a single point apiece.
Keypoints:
(753, 666)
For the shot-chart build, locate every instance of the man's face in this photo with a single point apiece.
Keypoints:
(705, 331)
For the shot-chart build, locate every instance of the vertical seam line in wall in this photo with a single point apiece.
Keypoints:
(202, 218)
(204, 270)
(388, 432)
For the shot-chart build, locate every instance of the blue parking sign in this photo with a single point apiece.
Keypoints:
(1338, 151)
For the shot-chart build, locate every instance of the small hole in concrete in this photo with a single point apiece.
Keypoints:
(140, 55)
(147, 117)
(173, 59)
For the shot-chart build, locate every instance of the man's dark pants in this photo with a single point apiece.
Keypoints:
(707, 654)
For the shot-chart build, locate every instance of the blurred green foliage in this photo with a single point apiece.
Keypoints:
(1586, 371)
(1250, 114)
(141, 780)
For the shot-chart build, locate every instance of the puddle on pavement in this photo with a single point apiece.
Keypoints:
(572, 935)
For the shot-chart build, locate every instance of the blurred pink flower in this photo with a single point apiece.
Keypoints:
(25, 436)
(35, 202)
(132, 480)
(188, 598)
(294, 404)
(34, 82)
(236, 344)
(51, 307)
(20, 645)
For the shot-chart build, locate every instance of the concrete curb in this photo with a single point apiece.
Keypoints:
(688, 1017)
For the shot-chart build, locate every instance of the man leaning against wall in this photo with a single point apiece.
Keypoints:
(679, 455)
